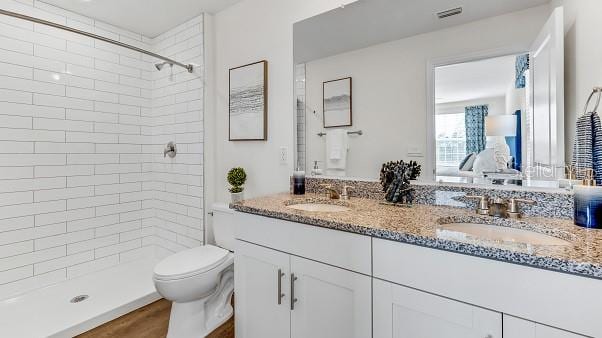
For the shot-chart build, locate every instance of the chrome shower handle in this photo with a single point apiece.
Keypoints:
(170, 149)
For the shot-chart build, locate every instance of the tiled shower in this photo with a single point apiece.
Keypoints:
(84, 184)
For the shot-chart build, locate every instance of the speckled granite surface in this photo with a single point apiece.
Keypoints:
(421, 225)
(549, 202)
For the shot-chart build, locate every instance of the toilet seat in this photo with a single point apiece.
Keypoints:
(190, 262)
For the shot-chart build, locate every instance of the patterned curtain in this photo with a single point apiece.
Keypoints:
(522, 65)
(475, 128)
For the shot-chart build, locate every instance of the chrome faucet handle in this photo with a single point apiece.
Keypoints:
(514, 206)
(345, 193)
(483, 204)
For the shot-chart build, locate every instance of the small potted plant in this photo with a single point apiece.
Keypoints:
(237, 178)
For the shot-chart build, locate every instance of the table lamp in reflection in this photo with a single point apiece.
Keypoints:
(496, 155)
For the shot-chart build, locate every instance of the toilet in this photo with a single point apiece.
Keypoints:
(200, 281)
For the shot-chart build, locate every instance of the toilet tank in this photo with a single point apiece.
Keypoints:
(223, 226)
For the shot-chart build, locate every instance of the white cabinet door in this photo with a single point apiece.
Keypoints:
(331, 302)
(401, 312)
(261, 311)
(520, 328)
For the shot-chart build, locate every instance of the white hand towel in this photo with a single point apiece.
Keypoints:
(337, 144)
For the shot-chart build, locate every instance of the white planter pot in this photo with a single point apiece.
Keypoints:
(237, 197)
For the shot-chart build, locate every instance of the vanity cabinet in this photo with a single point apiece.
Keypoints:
(348, 285)
(520, 328)
(280, 295)
(401, 312)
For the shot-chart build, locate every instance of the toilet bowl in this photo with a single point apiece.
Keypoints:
(199, 282)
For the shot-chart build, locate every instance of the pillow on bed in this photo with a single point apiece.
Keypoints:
(468, 162)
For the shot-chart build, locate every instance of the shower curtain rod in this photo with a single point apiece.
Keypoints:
(188, 67)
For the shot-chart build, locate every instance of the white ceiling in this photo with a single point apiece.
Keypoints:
(474, 80)
(147, 17)
(368, 22)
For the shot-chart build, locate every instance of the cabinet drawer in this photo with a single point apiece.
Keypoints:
(338, 248)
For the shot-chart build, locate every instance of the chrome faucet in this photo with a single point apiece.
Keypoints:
(331, 193)
(499, 207)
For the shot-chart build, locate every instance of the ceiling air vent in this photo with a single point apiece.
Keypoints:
(449, 12)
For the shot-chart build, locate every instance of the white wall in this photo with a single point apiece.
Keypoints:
(81, 139)
(250, 31)
(394, 119)
(583, 56)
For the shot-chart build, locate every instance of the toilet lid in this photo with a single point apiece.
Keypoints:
(190, 262)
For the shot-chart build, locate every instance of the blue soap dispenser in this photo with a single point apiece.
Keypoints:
(588, 203)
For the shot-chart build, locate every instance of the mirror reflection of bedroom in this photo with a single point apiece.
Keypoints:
(479, 111)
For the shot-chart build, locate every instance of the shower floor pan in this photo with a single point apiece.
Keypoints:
(77, 305)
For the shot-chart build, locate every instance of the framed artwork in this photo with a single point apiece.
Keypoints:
(248, 97)
(337, 104)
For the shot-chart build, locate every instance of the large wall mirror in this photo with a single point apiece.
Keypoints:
(476, 92)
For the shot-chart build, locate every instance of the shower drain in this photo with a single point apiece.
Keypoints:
(79, 298)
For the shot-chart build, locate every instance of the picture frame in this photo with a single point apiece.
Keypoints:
(337, 103)
(248, 102)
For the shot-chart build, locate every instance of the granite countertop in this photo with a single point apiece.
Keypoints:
(421, 225)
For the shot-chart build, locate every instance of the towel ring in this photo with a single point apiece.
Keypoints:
(589, 99)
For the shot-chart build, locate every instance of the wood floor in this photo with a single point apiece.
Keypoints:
(149, 322)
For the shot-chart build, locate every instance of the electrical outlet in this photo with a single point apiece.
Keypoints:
(283, 156)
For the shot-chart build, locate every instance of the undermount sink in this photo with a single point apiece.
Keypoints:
(463, 231)
(318, 207)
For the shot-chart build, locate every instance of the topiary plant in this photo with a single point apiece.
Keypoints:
(237, 178)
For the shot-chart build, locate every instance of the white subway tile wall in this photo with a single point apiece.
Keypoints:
(177, 113)
(301, 114)
(83, 123)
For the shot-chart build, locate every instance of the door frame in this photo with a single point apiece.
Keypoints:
(556, 126)
(432, 64)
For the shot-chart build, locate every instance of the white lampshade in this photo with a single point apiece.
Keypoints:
(500, 125)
